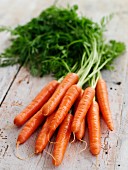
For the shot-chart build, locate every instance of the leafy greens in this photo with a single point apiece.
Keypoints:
(55, 42)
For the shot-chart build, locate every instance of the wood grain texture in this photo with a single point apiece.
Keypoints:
(24, 87)
(23, 90)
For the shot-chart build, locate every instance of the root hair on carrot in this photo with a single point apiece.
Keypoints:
(50, 154)
(18, 155)
(52, 142)
(85, 145)
(73, 138)
(39, 158)
(7, 127)
(97, 161)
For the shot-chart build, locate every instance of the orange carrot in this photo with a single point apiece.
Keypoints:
(102, 97)
(81, 132)
(93, 118)
(77, 101)
(82, 108)
(55, 119)
(62, 140)
(30, 127)
(44, 135)
(36, 104)
(56, 98)
(65, 106)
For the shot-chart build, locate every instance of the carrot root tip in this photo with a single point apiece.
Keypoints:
(17, 153)
(50, 154)
(37, 152)
(85, 145)
(73, 138)
(17, 144)
(97, 162)
(9, 127)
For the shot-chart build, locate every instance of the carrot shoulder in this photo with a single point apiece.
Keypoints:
(56, 98)
(62, 140)
(65, 106)
(30, 127)
(93, 118)
(82, 108)
(36, 104)
(102, 97)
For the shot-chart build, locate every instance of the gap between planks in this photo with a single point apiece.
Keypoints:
(11, 83)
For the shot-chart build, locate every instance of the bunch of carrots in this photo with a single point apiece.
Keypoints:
(65, 105)
(74, 50)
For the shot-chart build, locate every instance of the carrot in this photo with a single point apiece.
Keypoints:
(56, 98)
(102, 97)
(82, 108)
(36, 104)
(65, 106)
(44, 135)
(81, 132)
(62, 140)
(93, 118)
(30, 127)
(77, 101)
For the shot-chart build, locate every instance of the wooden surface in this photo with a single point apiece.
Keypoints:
(18, 88)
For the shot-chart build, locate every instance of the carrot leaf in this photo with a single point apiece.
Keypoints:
(56, 41)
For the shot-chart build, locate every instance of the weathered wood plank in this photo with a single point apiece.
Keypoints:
(122, 140)
(11, 14)
(21, 93)
(7, 76)
(25, 88)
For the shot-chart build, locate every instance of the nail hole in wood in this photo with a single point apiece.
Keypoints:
(118, 83)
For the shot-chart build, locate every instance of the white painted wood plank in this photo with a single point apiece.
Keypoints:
(122, 156)
(22, 92)
(7, 75)
(12, 14)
